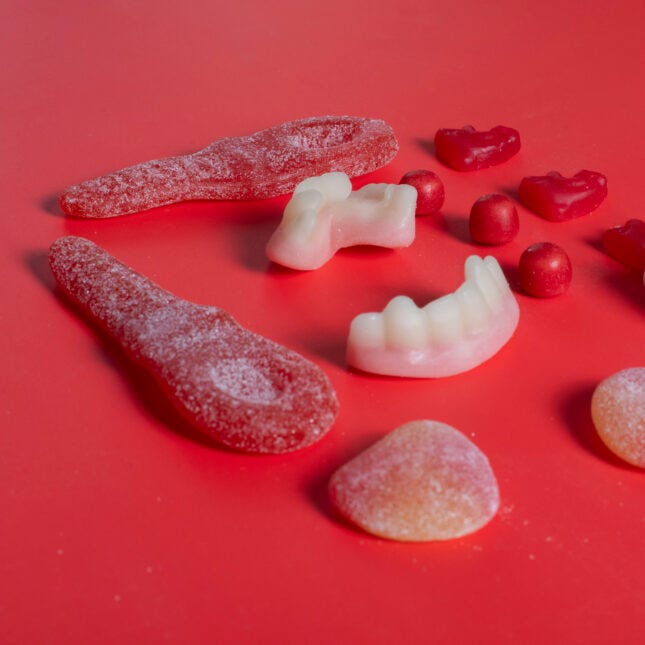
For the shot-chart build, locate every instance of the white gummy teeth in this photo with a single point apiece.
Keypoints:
(449, 335)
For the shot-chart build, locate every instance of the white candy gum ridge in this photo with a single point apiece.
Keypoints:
(451, 334)
(324, 215)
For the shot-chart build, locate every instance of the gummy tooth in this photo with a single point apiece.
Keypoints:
(324, 215)
(496, 271)
(368, 329)
(332, 186)
(444, 316)
(301, 215)
(473, 306)
(405, 326)
(477, 272)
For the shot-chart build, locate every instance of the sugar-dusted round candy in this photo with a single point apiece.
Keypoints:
(424, 481)
(618, 412)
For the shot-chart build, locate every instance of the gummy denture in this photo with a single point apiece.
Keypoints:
(450, 335)
(324, 215)
(423, 481)
(244, 390)
(258, 166)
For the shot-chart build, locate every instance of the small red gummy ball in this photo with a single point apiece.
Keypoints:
(493, 220)
(430, 191)
(544, 270)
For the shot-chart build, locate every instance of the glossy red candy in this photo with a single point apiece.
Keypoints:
(627, 243)
(258, 166)
(430, 191)
(240, 388)
(545, 270)
(493, 220)
(557, 198)
(468, 149)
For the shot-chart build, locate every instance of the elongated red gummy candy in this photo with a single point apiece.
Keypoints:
(558, 199)
(469, 149)
(258, 166)
(244, 390)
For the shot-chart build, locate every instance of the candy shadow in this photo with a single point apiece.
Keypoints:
(50, 205)
(510, 191)
(575, 408)
(316, 487)
(142, 385)
(621, 279)
(427, 145)
(37, 261)
(454, 224)
(326, 347)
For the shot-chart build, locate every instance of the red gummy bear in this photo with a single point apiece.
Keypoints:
(467, 149)
(240, 388)
(627, 243)
(558, 199)
(259, 166)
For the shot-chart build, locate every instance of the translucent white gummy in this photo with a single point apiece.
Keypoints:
(336, 217)
(462, 327)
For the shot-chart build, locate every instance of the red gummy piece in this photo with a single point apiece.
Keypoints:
(627, 243)
(468, 149)
(238, 387)
(558, 199)
(258, 166)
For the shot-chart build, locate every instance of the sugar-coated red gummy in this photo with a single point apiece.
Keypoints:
(493, 220)
(627, 243)
(618, 413)
(558, 199)
(469, 149)
(431, 193)
(240, 388)
(258, 166)
(544, 270)
(423, 481)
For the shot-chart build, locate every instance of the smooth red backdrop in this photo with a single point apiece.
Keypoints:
(117, 527)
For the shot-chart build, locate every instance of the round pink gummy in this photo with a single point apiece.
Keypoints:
(423, 481)
(618, 412)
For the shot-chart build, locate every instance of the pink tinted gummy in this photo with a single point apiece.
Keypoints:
(423, 481)
(558, 199)
(469, 149)
(627, 243)
(618, 412)
(240, 388)
(258, 166)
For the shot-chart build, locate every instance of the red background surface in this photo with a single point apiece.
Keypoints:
(116, 527)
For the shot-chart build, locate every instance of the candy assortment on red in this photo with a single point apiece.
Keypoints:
(245, 391)
(558, 199)
(430, 191)
(258, 166)
(469, 149)
(627, 243)
(493, 220)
